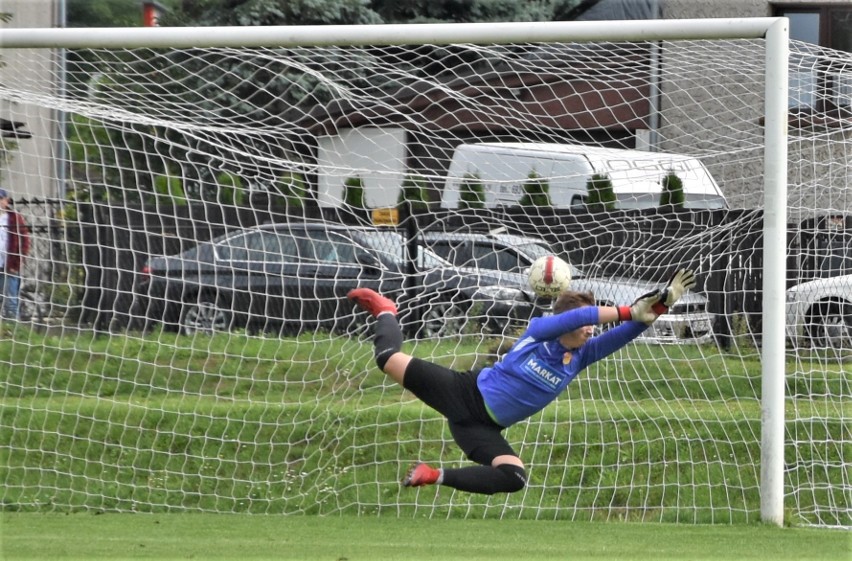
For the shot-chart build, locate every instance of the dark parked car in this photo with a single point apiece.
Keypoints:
(295, 277)
(687, 321)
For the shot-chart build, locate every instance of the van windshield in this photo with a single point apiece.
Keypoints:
(637, 182)
(698, 201)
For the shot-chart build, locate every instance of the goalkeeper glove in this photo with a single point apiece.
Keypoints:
(683, 280)
(643, 309)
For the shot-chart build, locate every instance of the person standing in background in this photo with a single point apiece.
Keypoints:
(14, 247)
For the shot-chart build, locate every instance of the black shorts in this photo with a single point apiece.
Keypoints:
(456, 396)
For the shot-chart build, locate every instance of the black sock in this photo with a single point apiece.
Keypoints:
(505, 478)
(387, 338)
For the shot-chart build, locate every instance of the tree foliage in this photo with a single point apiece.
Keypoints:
(414, 192)
(103, 13)
(353, 12)
(536, 191)
(353, 193)
(472, 192)
(291, 186)
(672, 191)
(272, 12)
(470, 11)
(601, 194)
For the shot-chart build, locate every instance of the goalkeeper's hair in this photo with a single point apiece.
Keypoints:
(571, 299)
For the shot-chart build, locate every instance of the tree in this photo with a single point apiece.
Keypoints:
(672, 193)
(601, 195)
(353, 193)
(169, 189)
(291, 186)
(472, 192)
(94, 172)
(271, 12)
(414, 191)
(536, 191)
(466, 11)
(230, 189)
(104, 13)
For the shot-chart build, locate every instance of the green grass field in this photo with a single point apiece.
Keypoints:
(344, 538)
(294, 437)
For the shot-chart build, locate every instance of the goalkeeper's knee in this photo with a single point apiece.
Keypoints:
(387, 340)
(516, 477)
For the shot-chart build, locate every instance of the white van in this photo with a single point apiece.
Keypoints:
(636, 175)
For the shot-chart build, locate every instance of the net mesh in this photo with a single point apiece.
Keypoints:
(137, 386)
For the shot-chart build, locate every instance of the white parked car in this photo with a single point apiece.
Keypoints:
(819, 313)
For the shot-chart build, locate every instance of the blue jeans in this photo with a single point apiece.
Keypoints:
(10, 285)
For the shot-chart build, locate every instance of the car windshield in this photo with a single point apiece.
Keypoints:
(534, 250)
(390, 245)
(838, 262)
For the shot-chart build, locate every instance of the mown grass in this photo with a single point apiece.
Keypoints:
(215, 536)
(308, 425)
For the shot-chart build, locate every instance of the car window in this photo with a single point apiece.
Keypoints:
(391, 246)
(457, 253)
(244, 247)
(278, 248)
(490, 256)
(258, 247)
(529, 252)
(327, 247)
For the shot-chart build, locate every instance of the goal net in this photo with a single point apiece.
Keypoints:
(236, 377)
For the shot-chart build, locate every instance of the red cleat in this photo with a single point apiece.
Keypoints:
(371, 301)
(420, 474)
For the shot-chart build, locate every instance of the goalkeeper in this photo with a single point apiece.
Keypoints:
(541, 363)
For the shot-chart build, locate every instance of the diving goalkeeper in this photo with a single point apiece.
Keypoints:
(479, 406)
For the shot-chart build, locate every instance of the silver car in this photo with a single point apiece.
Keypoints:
(687, 322)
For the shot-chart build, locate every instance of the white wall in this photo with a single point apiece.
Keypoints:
(32, 171)
(377, 155)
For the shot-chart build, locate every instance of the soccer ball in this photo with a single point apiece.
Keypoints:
(549, 276)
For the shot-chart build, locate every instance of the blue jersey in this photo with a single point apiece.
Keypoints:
(538, 367)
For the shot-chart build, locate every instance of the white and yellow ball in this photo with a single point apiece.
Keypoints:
(549, 276)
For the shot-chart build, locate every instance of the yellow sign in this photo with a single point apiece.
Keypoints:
(385, 216)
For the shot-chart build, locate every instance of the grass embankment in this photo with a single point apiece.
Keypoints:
(308, 425)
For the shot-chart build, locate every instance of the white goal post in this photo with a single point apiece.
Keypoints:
(773, 32)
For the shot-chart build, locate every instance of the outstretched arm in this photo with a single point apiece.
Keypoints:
(646, 309)
(551, 327)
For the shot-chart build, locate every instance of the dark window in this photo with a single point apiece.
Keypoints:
(336, 249)
(820, 84)
(457, 253)
(496, 258)
(246, 247)
(288, 249)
